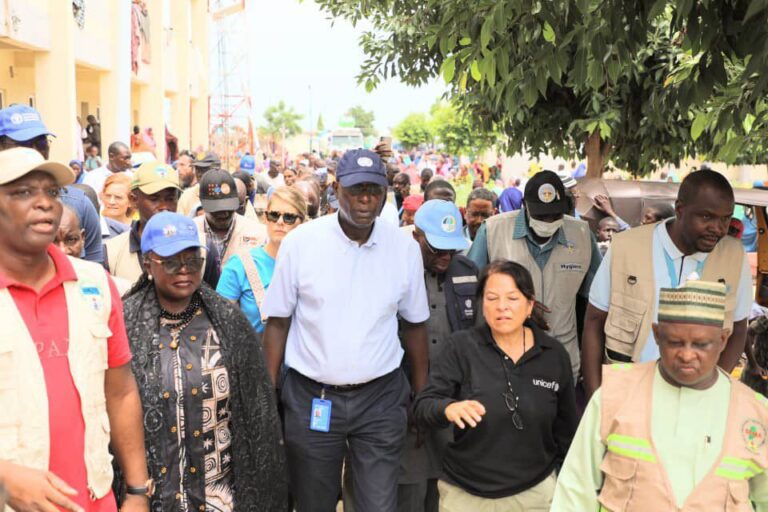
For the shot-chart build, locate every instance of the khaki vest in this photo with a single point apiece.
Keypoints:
(24, 422)
(247, 234)
(189, 198)
(632, 306)
(122, 262)
(558, 284)
(633, 472)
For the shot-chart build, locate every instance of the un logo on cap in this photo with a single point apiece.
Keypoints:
(448, 224)
(17, 119)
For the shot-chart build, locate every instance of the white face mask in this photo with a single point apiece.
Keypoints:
(544, 229)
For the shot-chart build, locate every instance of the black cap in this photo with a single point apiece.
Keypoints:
(218, 192)
(545, 195)
(209, 160)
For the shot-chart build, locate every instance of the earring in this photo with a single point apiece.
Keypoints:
(149, 276)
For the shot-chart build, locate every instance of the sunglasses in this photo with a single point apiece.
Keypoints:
(438, 252)
(289, 218)
(511, 400)
(174, 265)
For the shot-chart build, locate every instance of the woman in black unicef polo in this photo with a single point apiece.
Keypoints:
(508, 389)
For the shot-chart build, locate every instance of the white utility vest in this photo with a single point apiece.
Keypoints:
(24, 422)
(558, 283)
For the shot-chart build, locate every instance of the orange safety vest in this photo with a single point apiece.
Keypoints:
(634, 477)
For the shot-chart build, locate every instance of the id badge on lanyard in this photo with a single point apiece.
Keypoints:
(320, 418)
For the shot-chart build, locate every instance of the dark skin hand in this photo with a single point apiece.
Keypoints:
(127, 435)
(592, 347)
(417, 352)
(275, 336)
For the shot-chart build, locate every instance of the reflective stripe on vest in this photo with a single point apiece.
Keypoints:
(632, 447)
(734, 468)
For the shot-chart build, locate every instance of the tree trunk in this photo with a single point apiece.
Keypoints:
(597, 153)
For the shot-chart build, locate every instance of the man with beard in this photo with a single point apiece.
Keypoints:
(222, 230)
(624, 297)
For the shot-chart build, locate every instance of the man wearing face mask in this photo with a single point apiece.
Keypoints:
(558, 250)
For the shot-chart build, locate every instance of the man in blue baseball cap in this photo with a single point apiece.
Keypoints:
(337, 332)
(21, 125)
(451, 282)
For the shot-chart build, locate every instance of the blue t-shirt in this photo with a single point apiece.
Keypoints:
(234, 284)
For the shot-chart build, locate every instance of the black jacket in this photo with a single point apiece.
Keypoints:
(461, 293)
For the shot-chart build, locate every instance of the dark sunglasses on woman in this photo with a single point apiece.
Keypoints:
(289, 218)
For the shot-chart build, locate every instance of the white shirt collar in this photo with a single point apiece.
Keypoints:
(372, 240)
(669, 246)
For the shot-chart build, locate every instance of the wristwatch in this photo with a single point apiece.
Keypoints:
(148, 489)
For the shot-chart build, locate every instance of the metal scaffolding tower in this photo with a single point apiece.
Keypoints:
(230, 115)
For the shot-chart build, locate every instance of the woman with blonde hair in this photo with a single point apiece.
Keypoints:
(115, 199)
(245, 277)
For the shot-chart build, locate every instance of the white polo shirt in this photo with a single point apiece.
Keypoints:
(600, 293)
(344, 299)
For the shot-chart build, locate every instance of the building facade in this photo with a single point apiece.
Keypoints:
(127, 62)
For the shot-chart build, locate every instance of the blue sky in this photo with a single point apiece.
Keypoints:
(294, 46)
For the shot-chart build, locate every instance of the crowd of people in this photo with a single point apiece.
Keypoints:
(397, 331)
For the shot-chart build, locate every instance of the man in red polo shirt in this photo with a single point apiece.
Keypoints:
(66, 387)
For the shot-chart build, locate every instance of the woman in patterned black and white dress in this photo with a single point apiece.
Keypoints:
(212, 434)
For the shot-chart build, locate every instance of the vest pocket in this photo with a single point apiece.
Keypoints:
(618, 482)
(623, 324)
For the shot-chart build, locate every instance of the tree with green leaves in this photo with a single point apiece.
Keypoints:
(281, 120)
(414, 130)
(320, 123)
(639, 82)
(457, 132)
(363, 120)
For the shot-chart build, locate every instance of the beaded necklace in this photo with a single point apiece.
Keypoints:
(177, 322)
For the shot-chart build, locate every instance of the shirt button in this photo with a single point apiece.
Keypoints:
(163, 470)
(434, 342)
(506, 357)
(193, 470)
(434, 306)
(160, 346)
(178, 495)
(193, 338)
(166, 395)
(173, 429)
(202, 508)
(189, 366)
(194, 391)
(196, 433)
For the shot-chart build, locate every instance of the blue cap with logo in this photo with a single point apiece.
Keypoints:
(441, 223)
(21, 123)
(361, 166)
(168, 233)
(248, 164)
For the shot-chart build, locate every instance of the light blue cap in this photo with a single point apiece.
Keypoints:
(441, 223)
